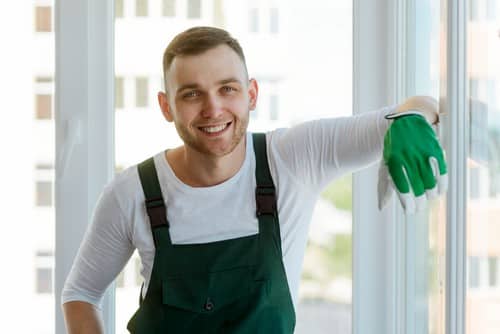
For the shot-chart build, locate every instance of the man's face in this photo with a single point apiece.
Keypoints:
(208, 97)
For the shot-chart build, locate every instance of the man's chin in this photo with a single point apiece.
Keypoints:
(220, 151)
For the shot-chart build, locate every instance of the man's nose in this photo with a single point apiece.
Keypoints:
(212, 106)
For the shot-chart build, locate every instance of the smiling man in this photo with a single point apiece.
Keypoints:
(221, 222)
(208, 97)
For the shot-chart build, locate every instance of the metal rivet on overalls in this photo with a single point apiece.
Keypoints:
(209, 305)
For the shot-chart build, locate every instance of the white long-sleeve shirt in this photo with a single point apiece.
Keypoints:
(302, 159)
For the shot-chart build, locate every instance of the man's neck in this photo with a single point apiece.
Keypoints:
(199, 170)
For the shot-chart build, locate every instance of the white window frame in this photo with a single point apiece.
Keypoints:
(84, 118)
(381, 248)
(84, 122)
(376, 279)
(453, 104)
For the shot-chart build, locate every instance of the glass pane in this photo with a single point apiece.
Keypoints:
(425, 233)
(483, 167)
(325, 291)
(27, 171)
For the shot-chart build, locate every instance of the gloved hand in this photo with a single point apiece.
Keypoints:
(413, 163)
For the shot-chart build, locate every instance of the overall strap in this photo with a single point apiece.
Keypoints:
(155, 205)
(265, 193)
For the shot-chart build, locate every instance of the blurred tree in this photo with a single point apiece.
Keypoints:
(339, 193)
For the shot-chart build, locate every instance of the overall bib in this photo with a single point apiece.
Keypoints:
(230, 286)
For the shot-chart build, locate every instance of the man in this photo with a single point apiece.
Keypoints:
(221, 222)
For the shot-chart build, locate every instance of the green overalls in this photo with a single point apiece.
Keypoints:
(230, 286)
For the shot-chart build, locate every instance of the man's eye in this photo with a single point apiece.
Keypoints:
(228, 89)
(192, 93)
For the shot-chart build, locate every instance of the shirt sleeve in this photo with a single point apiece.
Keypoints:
(319, 151)
(104, 251)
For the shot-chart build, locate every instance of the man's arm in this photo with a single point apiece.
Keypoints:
(103, 253)
(319, 151)
(82, 318)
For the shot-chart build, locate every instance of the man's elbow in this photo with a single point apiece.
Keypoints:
(82, 318)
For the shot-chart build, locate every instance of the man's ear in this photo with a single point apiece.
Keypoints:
(253, 92)
(165, 106)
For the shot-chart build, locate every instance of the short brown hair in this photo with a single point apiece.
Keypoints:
(197, 40)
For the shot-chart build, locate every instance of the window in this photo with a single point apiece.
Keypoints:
(141, 92)
(168, 8)
(490, 204)
(194, 9)
(44, 275)
(482, 169)
(44, 193)
(423, 266)
(44, 88)
(119, 97)
(274, 21)
(44, 280)
(493, 271)
(474, 272)
(254, 20)
(44, 185)
(141, 8)
(119, 8)
(43, 19)
(43, 106)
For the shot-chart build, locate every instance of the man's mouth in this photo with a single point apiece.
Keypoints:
(214, 129)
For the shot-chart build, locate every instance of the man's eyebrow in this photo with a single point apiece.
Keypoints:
(229, 80)
(187, 86)
(220, 82)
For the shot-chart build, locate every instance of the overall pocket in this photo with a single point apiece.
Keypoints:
(206, 293)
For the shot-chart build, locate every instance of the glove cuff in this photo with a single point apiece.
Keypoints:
(395, 115)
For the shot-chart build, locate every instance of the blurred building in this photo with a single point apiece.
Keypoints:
(265, 29)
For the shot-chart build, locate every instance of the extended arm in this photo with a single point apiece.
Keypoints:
(319, 151)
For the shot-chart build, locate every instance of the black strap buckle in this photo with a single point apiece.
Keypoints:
(157, 212)
(265, 198)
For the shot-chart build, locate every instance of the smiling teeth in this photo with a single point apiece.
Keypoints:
(214, 128)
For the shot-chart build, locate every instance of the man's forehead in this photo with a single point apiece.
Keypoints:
(215, 64)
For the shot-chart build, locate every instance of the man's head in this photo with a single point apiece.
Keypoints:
(197, 40)
(207, 94)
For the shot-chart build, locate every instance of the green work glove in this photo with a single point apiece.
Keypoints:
(413, 163)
